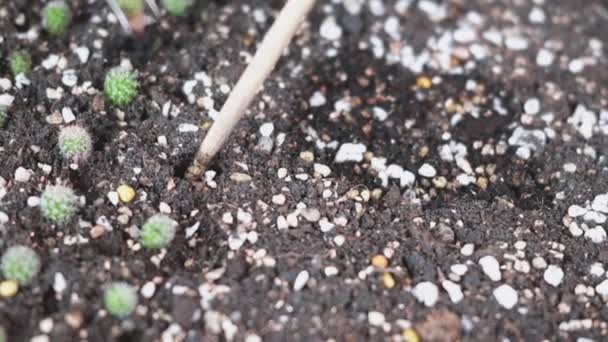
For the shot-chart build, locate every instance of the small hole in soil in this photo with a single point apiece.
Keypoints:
(181, 165)
(183, 162)
(50, 302)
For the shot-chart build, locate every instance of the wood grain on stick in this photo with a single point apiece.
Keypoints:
(276, 40)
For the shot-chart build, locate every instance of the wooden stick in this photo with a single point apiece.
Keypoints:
(276, 40)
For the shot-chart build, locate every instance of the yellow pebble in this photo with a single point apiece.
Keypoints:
(423, 82)
(8, 288)
(410, 335)
(205, 125)
(125, 193)
(380, 261)
(388, 280)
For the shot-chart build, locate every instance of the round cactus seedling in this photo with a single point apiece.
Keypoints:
(57, 18)
(120, 86)
(20, 63)
(120, 299)
(75, 143)
(21, 264)
(158, 232)
(58, 204)
(177, 7)
(3, 118)
(131, 7)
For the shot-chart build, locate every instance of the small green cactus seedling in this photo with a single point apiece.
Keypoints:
(21, 264)
(58, 204)
(3, 118)
(120, 86)
(57, 18)
(75, 143)
(20, 63)
(120, 299)
(158, 232)
(177, 7)
(131, 7)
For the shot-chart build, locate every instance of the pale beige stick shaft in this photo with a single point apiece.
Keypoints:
(264, 61)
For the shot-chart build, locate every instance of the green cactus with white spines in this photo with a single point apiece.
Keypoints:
(75, 143)
(120, 299)
(158, 232)
(120, 86)
(58, 204)
(3, 118)
(57, 18)
(131, 7)
(178, 7)
(20, 62)
(20, 263)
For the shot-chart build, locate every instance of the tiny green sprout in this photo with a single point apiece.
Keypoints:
(20, 63)
(158, 232)
(3, 118)
(21, 264)
(120, 299)
(57, 18)
(177, 7)
(120, 86)
(131, 7)
(58, 203)
(75, 143)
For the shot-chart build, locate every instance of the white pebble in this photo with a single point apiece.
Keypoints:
(376, 318)
(266, 129)
(279, 199)
(22, 175)
(427, 170)
(426, 293)
(6, 100)
(147, 291)
(596, 235)
(490, 267)
(5, 84)
(83, 53)
(164, 208)
(467, 249)
(459, 269)
(59, 283)
(330, 29)
(602, 288)
(322, 169)
(454, 291)
(545, 58)
(330, 271)
(380, 114)
(67, 114)
(532, 106)
(50, 62)
(113, 197)
(301, 280)
(516, 43)
(317, 99)
(33, 201)
(553, 275)
(537, 15)
(187, 128)
(600, 203)
(350, 153)
(597, 269)
(576, 65)
(506, 296)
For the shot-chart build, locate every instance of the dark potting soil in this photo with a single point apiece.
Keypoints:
(475, 136)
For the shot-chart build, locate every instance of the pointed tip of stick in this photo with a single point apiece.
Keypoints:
(196, 170)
